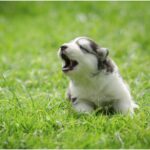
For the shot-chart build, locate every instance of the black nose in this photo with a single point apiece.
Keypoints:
(63, 47)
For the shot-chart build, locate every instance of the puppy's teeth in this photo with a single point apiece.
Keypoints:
(65, 68)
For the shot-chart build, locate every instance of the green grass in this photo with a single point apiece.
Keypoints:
(34, 112)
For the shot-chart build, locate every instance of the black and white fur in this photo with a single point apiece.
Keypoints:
(95, 81)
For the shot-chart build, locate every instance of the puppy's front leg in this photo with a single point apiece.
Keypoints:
(83, 106)
(80, 105)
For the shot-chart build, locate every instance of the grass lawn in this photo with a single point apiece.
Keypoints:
(34, 112)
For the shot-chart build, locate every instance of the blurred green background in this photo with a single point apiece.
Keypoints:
(33, 110)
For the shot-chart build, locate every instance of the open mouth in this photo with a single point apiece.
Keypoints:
(69, 64)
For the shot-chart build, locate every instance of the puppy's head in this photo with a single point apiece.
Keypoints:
(82, 55)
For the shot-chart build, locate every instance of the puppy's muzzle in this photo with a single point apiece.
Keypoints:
(63, 48)
(69, 64)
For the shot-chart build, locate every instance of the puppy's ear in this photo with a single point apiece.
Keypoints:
(102, 53)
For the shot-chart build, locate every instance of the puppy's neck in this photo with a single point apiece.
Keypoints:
(83, 80)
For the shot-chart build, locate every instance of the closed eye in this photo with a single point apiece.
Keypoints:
(83, 49)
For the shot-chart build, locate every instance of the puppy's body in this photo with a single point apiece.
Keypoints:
(94, 78)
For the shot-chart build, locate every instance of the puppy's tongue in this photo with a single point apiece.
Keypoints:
(67, 68)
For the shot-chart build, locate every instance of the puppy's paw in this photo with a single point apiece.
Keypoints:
(83, 107)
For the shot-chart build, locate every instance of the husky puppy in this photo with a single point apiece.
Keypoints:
(95, 81)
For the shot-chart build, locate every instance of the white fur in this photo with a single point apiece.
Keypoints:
(97, 89)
